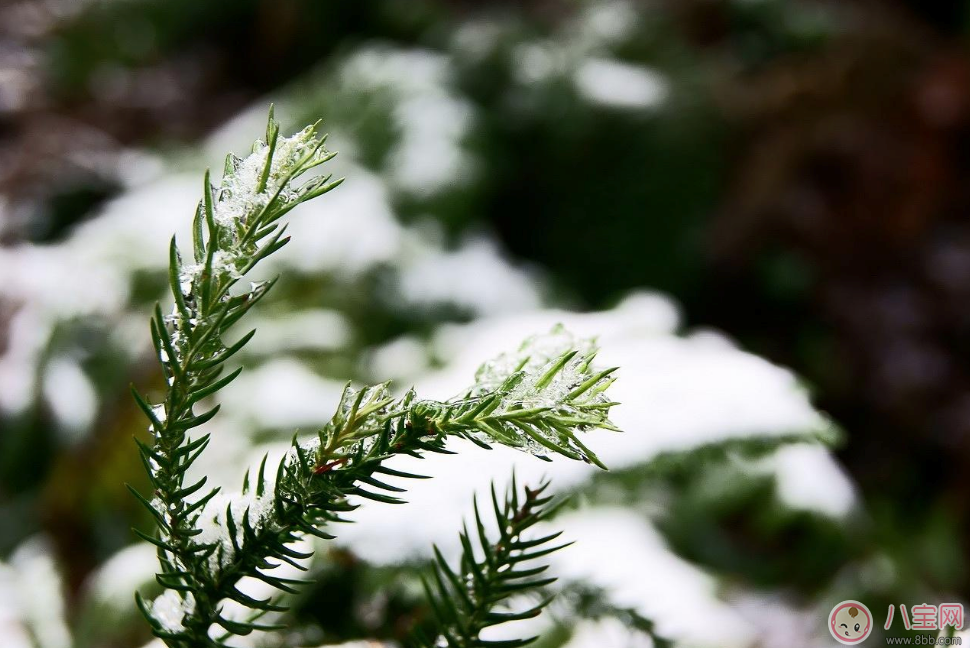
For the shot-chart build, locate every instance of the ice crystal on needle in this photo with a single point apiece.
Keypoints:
(214, 527)
(544, 373)
(246, 191)
(534, 353)
(535, 399)
(169, 609)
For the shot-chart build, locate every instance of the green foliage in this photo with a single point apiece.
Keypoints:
(536, 400)
(491, 572)
(236, 226)
(532, 399)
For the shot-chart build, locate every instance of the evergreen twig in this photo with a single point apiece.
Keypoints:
(537, 400)
(491, 572)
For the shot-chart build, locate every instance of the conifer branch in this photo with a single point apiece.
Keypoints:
(491, 572)
(236, 226)
(537, 400)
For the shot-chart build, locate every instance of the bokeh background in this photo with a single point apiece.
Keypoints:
(759, 205)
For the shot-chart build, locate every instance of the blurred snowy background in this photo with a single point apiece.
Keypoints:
(718, 190)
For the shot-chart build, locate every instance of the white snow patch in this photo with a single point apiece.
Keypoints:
(781, 622)
(282, 393)
(28, 333)
(477, 38)
(123, 573)
(809, 478)
(170, 609)
(32, 611)
(475, 277)
(675, 393)
(70, 395)
(87, 275)
(214, 517)
(346, 233)
(400, 359)
(620, 85)
(317, 329)
(622, 554)
(604, 24)
(429, 156)
(607, 633)
(538, 61)
(431, 120)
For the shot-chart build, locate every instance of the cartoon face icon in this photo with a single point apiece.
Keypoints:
(850, 622)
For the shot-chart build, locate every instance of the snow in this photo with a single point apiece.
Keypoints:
(248, 187)
(32, 612)
(607, 633)
(531, 357)
(258, 589)
(13, 630)
(621, 553)
(429, 156)
(281, 393)
(170, 609)
(800, 469)
(781, 621)
(345, 233)
(315, 329)
(133, 231)
(126, 571)
(213, 520)
(604, 24)
(87, 275)
(475, 277)
(537, 62)
(476, 39)
(584, 56)
(28, 333)
(674, 392)
(239, 195)
(400, 359)
(620, 85)
(431, 121)
(71, 396)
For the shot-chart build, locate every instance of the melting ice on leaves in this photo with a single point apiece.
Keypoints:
(241, 195)
(535, 352)
(553, 370)
(537, 396)
(213, 523)
(249, 189)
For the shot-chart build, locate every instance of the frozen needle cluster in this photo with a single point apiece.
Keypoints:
(535, 399)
